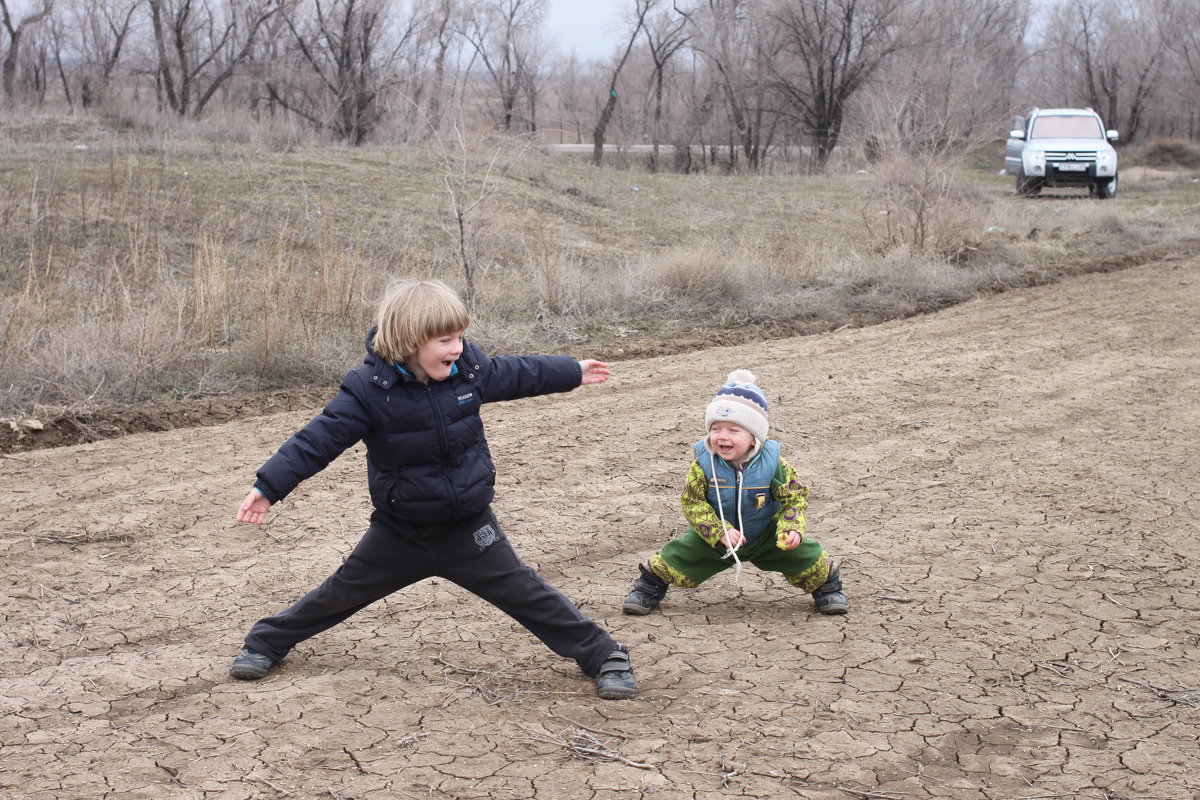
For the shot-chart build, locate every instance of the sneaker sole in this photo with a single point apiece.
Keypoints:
(616, 692)
(640, 611)
(247, 672)
(834, 610)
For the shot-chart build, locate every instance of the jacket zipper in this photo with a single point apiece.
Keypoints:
(441, 429)
(738, 473)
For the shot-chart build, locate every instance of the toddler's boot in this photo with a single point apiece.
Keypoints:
(615, 681)
(829, 597)
(648, 591)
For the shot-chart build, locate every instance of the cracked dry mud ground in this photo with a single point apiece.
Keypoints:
(1010, 485)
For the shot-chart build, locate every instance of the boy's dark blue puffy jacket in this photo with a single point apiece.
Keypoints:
(427, 459)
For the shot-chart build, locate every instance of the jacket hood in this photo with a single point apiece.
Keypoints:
(369, 342)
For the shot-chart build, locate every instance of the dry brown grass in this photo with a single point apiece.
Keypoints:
(144, 261)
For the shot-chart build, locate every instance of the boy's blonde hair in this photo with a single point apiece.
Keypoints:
(412, 312)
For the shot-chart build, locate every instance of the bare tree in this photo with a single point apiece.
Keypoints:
(568, 85)
(503, 35)
(1183, 19)
(666, 34)
(88, 38)
(343, 64)
(472, 170)
(1113, 51)
(441, 22)
(830, 49)
(698, 96)
(16, 33)
(959, 73)
(200, 44)
(736, 40)
(641, 8)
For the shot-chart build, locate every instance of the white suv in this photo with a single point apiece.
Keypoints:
(1062, 147)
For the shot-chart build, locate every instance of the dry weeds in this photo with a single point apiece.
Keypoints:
(142, 263)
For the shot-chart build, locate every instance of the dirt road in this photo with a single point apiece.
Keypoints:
(1009, 484)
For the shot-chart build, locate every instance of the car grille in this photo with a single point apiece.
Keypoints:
(1071, 155)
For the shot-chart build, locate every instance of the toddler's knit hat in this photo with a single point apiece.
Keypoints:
(741, 402)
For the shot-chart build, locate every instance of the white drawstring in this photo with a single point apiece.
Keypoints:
(730, 551)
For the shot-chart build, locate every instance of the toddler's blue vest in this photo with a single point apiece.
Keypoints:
(759, 507)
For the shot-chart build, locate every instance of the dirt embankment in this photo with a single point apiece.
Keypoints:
(1009, 484)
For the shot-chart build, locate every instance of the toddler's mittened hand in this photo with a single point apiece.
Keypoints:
(788, 540)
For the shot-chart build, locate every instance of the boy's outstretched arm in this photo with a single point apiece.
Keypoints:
(593, 371)
(254, 508)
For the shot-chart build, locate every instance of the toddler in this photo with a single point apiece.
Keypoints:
(742, 502)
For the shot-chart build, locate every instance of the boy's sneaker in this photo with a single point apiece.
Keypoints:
(249, 665)
(615, 681)
(829, 597)
(648, 591)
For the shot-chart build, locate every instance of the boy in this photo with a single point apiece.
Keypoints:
(415, 403)
(742, 502)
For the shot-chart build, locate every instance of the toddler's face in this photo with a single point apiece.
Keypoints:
(434, 359)
(731, 442)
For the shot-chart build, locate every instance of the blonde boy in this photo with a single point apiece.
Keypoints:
(415, 402)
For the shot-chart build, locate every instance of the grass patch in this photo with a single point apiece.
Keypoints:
(141, 264)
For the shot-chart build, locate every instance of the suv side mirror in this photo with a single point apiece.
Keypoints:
(1112, 135)
(1021, 134)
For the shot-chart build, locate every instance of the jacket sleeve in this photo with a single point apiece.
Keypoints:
(792, 496)
(701, 516)
(512, 377)
(342, 423)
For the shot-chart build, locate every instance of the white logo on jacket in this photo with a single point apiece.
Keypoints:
(485, 536)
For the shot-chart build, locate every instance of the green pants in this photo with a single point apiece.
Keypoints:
(689, 561)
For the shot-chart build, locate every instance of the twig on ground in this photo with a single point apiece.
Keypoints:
(1166, 694)
(585, 727)
(876, 795)
(484, 672)
(492, 685)
(586, 746)
(279, 789)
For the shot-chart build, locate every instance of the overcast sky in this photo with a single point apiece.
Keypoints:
(589, 27)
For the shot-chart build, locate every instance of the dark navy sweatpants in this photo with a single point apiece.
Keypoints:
(475, 554)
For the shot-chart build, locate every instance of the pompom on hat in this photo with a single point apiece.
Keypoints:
(741, 402)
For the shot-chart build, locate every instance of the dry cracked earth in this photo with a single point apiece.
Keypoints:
(1010, 486)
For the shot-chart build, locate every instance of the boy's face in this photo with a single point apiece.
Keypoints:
(434, 359)
(731, 442)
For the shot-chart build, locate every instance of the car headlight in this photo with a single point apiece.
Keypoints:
(1106, 163)
(1035, 162)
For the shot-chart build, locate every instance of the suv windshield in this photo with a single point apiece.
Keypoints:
(1066, 127)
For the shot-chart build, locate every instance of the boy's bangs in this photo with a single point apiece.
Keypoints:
(445, 315)
(412, 313)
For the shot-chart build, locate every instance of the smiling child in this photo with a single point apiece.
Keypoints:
(415, 402)
(743, 503)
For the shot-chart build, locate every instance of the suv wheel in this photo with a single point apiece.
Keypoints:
(1106, 189)
(1026, 186)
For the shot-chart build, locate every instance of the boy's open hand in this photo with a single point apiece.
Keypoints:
(254, 508)
(593, 371)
